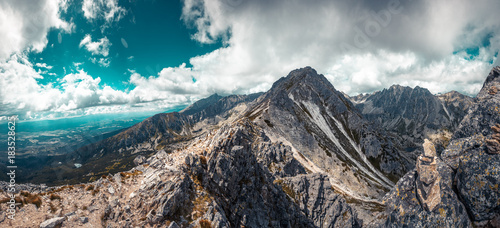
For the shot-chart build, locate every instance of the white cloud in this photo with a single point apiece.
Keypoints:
(107, 10)
(80, 93)
(24, 25)
(406, 42)
(103, 62)
(361, 73)
(100, 47)
(170, 82)
(43, 65)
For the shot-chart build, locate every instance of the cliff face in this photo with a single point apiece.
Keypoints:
(469, 165)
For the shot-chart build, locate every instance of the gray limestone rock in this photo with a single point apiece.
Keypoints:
(485, 113)
(84, 220)
(317, 200)
(306, 112)
(405, 209)
(478, 179)
(53, 222)
(246, 193)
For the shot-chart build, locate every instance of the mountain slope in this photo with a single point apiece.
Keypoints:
(167, 131)
(216, 105)
(305, 112)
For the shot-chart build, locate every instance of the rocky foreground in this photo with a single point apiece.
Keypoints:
(300, 155)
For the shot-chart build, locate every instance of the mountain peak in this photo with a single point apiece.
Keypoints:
(201, 104)
(306, 75)
(302, 74)
(492, 83)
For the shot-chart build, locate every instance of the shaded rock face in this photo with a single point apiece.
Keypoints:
(216, 105)
(249, 195)
(317, 200)
(457, 147)
(413, 113)
(171, 198)
(413, 203)
(279, 160)
(478, 178)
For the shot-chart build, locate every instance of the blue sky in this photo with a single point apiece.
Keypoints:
(148, 37)
(64, 58)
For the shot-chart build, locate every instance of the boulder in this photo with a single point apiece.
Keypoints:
(139, 160)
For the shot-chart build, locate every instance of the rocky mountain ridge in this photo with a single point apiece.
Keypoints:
(163, 131)
(414, 113)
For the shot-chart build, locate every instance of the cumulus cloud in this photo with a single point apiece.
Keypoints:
(107, 10)
(43, 65)
(79, 93)
(103, 62)
(361, 46)
(100, 47)
(24, 26)
(20, 91)
(170, 81)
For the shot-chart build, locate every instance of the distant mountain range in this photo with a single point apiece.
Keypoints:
(413, 113)
(303, 155)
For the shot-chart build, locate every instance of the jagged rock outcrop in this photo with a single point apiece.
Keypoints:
(280, 160)
(414, 113)
(247, 192)
(425, 197)
(485, 113)
(473, 153)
